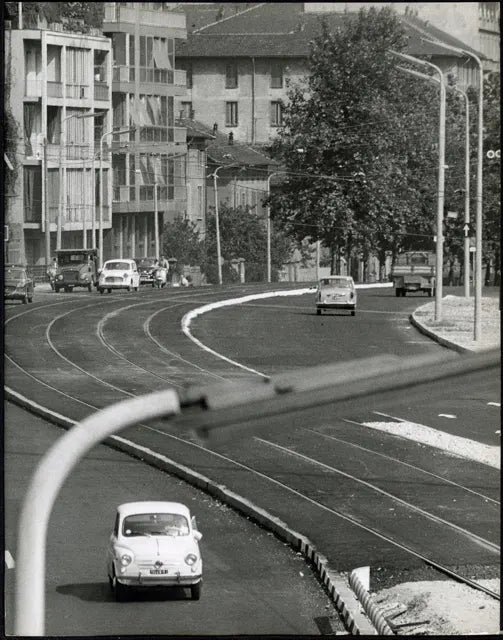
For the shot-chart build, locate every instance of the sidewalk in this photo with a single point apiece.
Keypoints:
(456, 328)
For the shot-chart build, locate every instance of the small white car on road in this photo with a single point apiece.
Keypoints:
(154, 544)
(119, 274)
(336, 292)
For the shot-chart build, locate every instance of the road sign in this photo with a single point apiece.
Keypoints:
(473, 249)
(493, 154)
(452, 214)
(468, 229)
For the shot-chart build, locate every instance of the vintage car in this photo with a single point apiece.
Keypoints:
(76, 268)
(121, 273)
(154, 544)
(146, 269)
(18, 283)
(336, 292)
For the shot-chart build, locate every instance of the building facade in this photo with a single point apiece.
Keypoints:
(238, 68)
(54, 79)
(149, 158)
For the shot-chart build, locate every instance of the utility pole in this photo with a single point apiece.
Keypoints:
(45, 212)
(156, 221)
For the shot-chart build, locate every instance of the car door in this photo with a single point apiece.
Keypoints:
(136, 276)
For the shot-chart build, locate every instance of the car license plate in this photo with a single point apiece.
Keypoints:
(158, 572)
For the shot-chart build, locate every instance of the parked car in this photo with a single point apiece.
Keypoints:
(18, 283)
(336, 292)
(146, 269)
(76, 268)
(119, 274)
(154, 544)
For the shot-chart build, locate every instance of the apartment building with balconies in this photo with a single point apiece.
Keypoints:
(54, 78)
(149, 161)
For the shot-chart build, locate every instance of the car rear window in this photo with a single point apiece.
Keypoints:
(341, 283)
(155, 524)
(117, 265)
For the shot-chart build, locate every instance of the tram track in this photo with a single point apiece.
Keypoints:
(269, 478)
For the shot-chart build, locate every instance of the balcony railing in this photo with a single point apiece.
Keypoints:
(123, 73)
(101, 91)
(180, 78)
(163, 193)
(54, 89)
(124, 193)
(151, 74)
(77, 90)
(114, 12)
(78, 152)
(77, 213)
(156, 134)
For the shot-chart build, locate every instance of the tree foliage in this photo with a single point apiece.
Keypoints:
(370, 131)
(242, 235)
(181, 240)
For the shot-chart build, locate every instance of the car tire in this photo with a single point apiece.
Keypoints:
(56, 289)
(90, 287)
(119, 590)
(404, 293)
(353, 312)
(195, 590)
(30, 299)
(25, 299)
(136, 288)
(318, 312)
(109, 290)
(101, 290)
(398, 292)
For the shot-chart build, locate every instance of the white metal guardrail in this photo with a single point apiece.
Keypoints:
(218, 412)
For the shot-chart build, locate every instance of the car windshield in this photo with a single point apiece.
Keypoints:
(120, 266)
(71, 258)
(155, 524)
(146, 262)
(14, 274)
(339, 283)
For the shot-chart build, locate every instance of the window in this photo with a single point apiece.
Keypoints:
(231, 114)
(188, 71)
(276, 114)
(99, 126)
(32, 194)
(276, 75)
(186, 111)
(231, 75)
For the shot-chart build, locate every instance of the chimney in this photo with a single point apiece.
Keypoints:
(231, 138)
(215, 128)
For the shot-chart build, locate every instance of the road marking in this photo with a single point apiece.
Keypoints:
(9, 560)
(494, 404)
(455, 445)
(446, 415)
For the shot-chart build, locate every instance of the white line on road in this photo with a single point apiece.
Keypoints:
(455, 445)
(9, 560)
(447, 415)
(494, 404)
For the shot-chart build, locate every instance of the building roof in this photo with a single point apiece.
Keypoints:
(202, 14)
(279, 29)
(231, 154)
(196, 129)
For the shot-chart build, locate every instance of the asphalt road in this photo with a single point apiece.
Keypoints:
(252, 583)
(363, 497)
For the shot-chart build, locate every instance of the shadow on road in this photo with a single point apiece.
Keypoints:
(100, 592)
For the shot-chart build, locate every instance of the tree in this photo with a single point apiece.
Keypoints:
(181, 240)
(242, 235)
(369, 131)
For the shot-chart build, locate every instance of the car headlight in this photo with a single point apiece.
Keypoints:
(126, 559)
(60, 276)
(190, 559)
(125, 275)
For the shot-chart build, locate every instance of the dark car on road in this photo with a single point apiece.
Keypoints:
(76, 268)
(18, 283)
(146, 269)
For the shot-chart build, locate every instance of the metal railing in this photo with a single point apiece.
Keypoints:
(218, 413)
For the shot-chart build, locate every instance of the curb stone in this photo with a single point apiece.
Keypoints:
(337, 587)
(434, 336)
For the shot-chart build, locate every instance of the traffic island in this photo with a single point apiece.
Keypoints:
(456, 328)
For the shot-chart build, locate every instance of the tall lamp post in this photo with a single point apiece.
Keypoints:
(466, 247)
(478, 219)
(217, 222)
(100, 220)
(62, 172)
(439, 267)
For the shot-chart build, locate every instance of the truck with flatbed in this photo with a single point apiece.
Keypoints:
(414, 271)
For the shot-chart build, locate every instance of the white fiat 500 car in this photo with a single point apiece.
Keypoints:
(336, 292)
(154, 544)
(119, 274)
